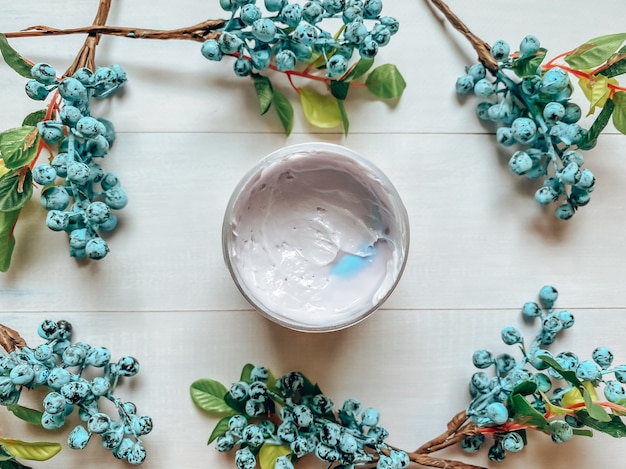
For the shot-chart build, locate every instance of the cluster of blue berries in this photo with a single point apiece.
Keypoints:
(81, 139)
(290, 33)
(307, 422)
(534, 113)
(555, 394)
(60, 366)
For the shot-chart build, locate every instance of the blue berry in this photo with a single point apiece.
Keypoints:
(336, 66)
(560, 431)
(264, 30)
(44, 174)
(44, 73)
(603, 357)
(497, 413)
(529, 46)
(36, 90)
(500, 50)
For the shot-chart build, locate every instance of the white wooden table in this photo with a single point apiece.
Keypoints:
(187, 132)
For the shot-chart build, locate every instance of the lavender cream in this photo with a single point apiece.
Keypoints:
(315, 237)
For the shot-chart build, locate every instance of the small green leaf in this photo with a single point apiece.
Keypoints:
(12, 463)
(13, 59)
(264, 92)
(34, 117)
(386, 82)
(339, 88)
(18, 146)
(14, 194)
(320, 110)
(527, 66)
(269, 453)
(525, 388)
(220, 429)
(208, 394)
(284, 109)
(599, 124)
(595, 411)
(7, 240)
(615, 69)
(568, 375)
(581, 432)
(31, 416)
(526, 414)
(359, 69)
(309, 389)
(246, 372)
(35, 451)
(615, 427)
(595, 51)
(344, 117)
(619, 113)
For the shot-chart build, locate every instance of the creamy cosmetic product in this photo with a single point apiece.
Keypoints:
(315, 237)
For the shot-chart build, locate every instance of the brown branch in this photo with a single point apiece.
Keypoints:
(199, 32)
(429, 461)
(481, 47)
(10, 339)
(86, 57)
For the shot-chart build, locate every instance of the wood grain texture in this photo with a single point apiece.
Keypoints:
(188, 131)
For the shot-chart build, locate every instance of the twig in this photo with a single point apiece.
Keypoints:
(199, 32)
(481, 47)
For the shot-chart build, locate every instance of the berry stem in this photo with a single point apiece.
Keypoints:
(481, 47)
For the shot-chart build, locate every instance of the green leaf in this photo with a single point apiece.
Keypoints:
(386, 82)
(599, 124)
(619, 113)
(284, 109)
(14, 195)
(309, 389)
(525, 388)
(34, 117)
(344, 117)
(360, 69)
(31, 416)
(35, 451)
(269, 453)
(320, 110)
(220, 429)
(568, 375)
(525, 413)
(264, 92)
(7, 240)
(615, 427)
(12, 463)
(595, 411)
(208, 394)
(595, 51)
(339, 89)
(527, 66)
(615, 69)
(13, 59)
(246, 372)
(580, 432)
(18, 147)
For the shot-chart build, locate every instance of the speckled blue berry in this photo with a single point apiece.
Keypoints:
(52, 421)
(116, 198)
(497, 413)
(472, 444)
(560, 431)
(313, 12)
(36, 91)
(22, 374)
(236, 424)
(336, 66)
(128, 366)
(510, 335)
(285, 60)
(554, 81)
(98, 423)
(588, 371)
(264, 29)
(548, 296)
(370, 417)
(57, 220)
(520, 163)
(50, 131)
(500, 50)
(603, 357)
(283, 462)
(529, 46)
(245, 459)
(44, 73)
(84, 75)
(513, 442)
(44, 174)
(210, 49)
(355, 32)
(372, 9)
(483, 88)
(482, 359)
(73, 91)
(242, 67)
(78, 438)
(137, 455)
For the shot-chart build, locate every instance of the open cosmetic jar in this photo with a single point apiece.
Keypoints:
(315, 237)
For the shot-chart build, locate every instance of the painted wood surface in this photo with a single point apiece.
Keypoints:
(188, 130)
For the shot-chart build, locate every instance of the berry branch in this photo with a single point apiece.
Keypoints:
(277, 421)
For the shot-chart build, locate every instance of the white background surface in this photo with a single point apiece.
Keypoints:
(187, 132)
